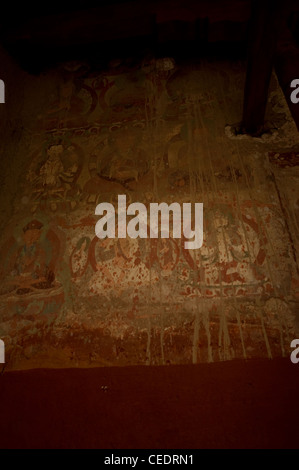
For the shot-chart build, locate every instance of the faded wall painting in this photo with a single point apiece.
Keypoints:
(154, 132)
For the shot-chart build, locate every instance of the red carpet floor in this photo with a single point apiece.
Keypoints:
(236, 404)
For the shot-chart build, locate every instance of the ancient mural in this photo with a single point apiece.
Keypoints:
(154, 132)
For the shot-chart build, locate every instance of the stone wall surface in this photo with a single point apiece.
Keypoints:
(154, 132)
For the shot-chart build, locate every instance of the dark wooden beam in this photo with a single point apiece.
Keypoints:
(264, 25)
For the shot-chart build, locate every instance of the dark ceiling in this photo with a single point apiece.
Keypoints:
(42, 35)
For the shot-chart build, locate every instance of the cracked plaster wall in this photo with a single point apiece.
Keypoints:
(72, 138)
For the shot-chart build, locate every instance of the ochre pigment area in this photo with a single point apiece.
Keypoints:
(74, 137)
